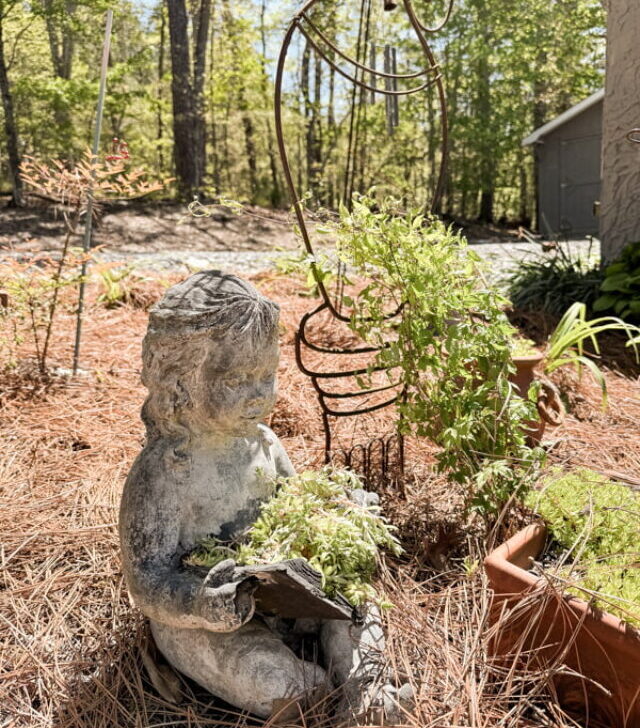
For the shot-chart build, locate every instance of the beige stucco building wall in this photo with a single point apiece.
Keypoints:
(620, 200)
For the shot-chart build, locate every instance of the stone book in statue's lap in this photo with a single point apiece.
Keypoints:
(292, 589)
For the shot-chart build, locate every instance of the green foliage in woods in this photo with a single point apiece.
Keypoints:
(314, 516)
(508, 67)
(597, 523)
(449, 346)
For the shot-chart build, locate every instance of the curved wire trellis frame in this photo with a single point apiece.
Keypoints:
(634, 136)
(304, 24)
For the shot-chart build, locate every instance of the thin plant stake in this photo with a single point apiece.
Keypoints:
(86, 243)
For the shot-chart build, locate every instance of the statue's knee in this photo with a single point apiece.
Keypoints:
(281, 677)
(287, 668)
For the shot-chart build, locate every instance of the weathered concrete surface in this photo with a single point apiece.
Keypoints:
(620, 204)
(209, 362)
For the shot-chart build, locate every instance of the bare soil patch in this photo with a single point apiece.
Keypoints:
(148, 227)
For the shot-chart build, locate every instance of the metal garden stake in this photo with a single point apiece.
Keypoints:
(86, 243)
(371, 82)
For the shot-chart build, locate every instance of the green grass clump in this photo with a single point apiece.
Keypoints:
(597, 522)
(312, 517)
(554, 282)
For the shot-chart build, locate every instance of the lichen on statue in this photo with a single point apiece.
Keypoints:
(210, 359)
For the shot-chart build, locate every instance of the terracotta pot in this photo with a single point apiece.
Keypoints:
(523, 379)
(545, 627)
(550, 408)
(525, 372)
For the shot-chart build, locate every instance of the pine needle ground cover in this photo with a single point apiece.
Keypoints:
(69, 637)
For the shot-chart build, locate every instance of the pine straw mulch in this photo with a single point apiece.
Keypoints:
(70, 638)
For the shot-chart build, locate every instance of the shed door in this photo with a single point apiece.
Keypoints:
(579, 185)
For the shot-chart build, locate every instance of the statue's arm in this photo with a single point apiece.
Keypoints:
(284, 468)
(160, 586)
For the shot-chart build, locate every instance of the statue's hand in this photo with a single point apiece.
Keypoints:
(364, 498)
(225, 600)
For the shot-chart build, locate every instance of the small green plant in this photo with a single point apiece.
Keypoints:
(449, 346)
(288, 264)
(68, 189)
(34, 291)
(312, 516)
(620, 289)
(566, 346)
(113, 279)
(551, 284)
(597, 523)
(523, 347)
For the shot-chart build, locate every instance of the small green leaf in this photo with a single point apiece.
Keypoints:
(618, 282)
(604, 303)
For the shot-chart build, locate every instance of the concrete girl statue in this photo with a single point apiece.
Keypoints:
(209, 362)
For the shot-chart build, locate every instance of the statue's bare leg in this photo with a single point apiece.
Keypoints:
(249, 668)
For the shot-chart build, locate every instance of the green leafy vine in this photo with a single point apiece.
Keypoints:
(450, 346)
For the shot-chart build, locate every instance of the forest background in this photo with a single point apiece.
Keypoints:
(190, 88)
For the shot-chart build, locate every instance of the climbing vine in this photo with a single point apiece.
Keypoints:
(449, 346)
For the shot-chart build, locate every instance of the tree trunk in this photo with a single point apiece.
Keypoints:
(620, 210)
(68, 44)
(249, 141)
(184, 150)
(486, 147)
(186, 91)
(306, 100)
(432, 141)
(54, 45)
(215, 152)
(539, 118)
(487, 164)
(523, 213)
(10, 128)
(453, 84)
(201, 36)
(160, 122)
(315, 137)
(332, 134)
(276, 193)
(61, 44)
(242, 104)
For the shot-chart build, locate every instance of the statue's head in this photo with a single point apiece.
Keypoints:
(210, 358)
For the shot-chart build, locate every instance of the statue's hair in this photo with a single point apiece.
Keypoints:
(183, 326)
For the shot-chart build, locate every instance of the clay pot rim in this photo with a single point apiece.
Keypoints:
(528, 358)
(531, 541)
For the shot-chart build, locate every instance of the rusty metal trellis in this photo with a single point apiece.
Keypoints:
(429, 76)
(634, 136)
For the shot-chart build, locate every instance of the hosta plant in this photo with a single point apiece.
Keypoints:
(313, 516)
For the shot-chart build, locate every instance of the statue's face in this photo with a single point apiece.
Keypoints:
(240, 384)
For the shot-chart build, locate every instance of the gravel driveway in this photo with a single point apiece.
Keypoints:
(501, 257)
